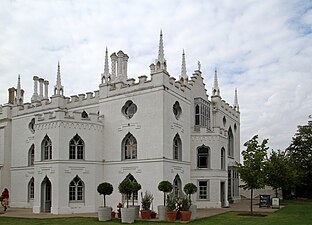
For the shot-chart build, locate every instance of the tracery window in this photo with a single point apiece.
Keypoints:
(230, 143)
(46, 148)
(222, 159)
(31, 189)
(76, 190)
(129, 147)
(31, 155)
(76, 148)
(202, 113)
(177, 148)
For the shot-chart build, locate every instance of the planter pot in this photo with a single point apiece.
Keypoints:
(113, 215)
(171, 215)
(193, 209)
(146, 214)
(185, 215)
(136, 211)
(105, 213)
(127, 215)
(153, 215)
(119, 214)
(161, 212)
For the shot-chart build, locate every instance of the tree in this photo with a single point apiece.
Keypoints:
(280, 172)
(190, 189)
(126, 187)
(300, 151)
(252, 170)
(165, 186)
(105, 189)
(136, 187)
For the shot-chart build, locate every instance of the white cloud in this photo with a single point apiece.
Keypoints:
(263, 48)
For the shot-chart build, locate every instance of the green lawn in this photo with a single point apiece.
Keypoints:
(294, 212)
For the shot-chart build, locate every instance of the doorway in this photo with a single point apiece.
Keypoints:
(46, 194)
(222, 193)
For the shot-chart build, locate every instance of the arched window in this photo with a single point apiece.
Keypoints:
(177, 186)
(203, 159)
(177, 148)
(76, 190)
(129, 147)
(31, 189)
(31, 155)
(222, 159)
(46, 148)
(76, 148)
(230, 143)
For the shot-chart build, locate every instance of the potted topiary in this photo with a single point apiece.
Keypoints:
(164, 186)
(136, 187)
(105, 213)
(127, 214)
(171, 213)
(185, 212)
(147, 200)
(190, 189)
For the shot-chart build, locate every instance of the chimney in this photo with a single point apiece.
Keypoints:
(11, 95)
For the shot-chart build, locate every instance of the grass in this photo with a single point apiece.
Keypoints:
(294, 212)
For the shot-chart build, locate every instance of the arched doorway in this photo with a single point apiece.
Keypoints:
(46, 195)
(177, 186)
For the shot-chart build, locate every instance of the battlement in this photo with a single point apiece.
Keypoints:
(64, 114)
(228, 108)
(79, 100)
(158, 79)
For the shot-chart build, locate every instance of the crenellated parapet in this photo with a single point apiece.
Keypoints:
(65, 116)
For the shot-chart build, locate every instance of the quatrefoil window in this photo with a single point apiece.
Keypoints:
(129, 109)
(177, 110)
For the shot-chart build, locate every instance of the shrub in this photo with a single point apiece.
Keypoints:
(190, 189)
(170, 202)
(105, 189)
(165, 186)
(126, 187)
(147, 200)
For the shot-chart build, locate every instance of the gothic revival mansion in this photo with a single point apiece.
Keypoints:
(55, 150)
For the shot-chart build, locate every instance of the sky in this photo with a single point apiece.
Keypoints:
(262, 48)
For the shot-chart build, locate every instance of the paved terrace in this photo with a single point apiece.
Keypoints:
(242, 206)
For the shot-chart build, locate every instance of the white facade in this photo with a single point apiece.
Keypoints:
(54, 151)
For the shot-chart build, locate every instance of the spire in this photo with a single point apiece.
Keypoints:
(58, 88)
(161, 55)
(161, 61)
(183, 68)
(106, 70)
(19, 95)
(215, 88)
(236, 106)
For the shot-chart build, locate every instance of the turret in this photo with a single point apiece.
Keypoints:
(215, 88)
(236, 105)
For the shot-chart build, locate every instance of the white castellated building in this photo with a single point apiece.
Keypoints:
(55, 150)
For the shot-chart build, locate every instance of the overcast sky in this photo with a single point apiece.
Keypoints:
(262, 48)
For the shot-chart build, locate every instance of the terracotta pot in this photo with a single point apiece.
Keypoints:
(146, 214)
(153, 215)
(119, 214)
(113, 215)
(185, 215)
(171, 215)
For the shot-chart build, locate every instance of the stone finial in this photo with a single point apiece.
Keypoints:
(215, 88)
(58, 88)
(236, 105)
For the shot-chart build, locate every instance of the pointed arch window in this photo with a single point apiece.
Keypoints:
(222, 159)
(76, 148)
(31, 189)
(177, 186)
(31, 155)
(230, 143)
(129, 147)
(203, 159)
(46, 148)
(177, 148)
(76, 190)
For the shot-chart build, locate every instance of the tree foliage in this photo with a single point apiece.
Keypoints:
(300, 151)
(252, 170)
(280, 171)
(105, 189)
